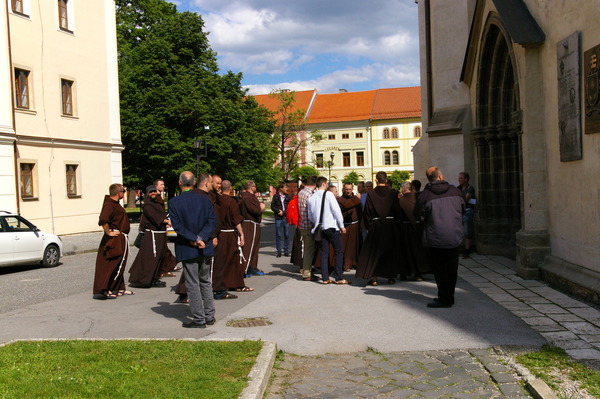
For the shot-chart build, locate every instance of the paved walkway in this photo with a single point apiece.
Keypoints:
(352, 341)
(461, 374)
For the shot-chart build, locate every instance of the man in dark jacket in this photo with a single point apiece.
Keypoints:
(193, 219)
(440, 206)
(279, 205)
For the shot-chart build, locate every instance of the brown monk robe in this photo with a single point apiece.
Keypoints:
(169, 262)
(410, 234)
(352, 240)
(380, 254)
(145, 269)
(251, 210)
(114, 246)
(228, 272)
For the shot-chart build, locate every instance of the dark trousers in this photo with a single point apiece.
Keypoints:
(282, 235)
(333, 237)
(444, 263)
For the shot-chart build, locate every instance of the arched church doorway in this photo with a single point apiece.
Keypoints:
(497, 141)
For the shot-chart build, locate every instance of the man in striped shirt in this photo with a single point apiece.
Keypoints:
(305, 227)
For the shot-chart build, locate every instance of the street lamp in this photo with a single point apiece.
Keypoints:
(330, 164)
(201, 150)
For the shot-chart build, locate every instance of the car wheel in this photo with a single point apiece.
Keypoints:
(51, 256)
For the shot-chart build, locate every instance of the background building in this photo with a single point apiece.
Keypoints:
(510, 94)
(364, 131)
(60, 143)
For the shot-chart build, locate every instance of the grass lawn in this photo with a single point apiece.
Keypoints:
(558, 370)
(126, 369)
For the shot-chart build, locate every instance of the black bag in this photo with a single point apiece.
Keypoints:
(318, 234)
(138, 240)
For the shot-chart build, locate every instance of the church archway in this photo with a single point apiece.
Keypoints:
(497, 140)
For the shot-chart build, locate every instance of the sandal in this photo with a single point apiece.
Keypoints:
(168, 274)
(391, 281)
(105, 295)
(244, 289)
(327, 282)
(343, 281)
(227, 296)
(373, 283)
(125, 292)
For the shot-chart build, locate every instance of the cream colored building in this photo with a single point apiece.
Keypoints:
(395, 129)
(60, 141)
(510, 94)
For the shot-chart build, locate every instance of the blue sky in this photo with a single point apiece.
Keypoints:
(314, 44)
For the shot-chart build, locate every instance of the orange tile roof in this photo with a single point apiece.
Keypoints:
(303, 100)
(396, 103)
(341, 107)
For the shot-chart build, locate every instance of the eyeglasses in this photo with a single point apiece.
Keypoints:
(123, 191)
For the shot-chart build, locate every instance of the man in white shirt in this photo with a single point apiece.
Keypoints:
(332, 223)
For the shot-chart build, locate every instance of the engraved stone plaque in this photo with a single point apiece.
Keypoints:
(591, 68)
(569, 98)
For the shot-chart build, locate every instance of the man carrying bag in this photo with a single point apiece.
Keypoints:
(325, 213)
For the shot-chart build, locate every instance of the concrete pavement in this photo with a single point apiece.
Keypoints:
(494, 309)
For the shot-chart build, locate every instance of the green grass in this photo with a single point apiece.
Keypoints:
(126, 369)
(549, 363)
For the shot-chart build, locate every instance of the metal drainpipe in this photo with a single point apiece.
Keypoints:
(428, 60)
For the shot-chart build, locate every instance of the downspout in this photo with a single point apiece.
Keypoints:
(428, 67)
(12, 100)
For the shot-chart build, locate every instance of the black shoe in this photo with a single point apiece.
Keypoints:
(286, 254)
(278, 255)
(158, 283)
(211, 322)
(438, 304)
(193, 324)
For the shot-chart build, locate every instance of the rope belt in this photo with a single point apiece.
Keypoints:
(124, 255)
(387, 217)
(154, 239)
(251, 247)
(351, 223)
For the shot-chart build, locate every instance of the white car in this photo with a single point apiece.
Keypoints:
(21, 243)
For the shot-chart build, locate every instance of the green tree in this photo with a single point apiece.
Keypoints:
(289, 124)
(303, 172)
(351, 178)
(397, 178)
(170, 89)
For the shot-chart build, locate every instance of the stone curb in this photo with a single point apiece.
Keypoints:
(261, 372)
(539, 389)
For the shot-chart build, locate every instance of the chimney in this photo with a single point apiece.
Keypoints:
(343, 91)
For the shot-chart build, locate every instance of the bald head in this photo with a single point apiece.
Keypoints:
(434, 173)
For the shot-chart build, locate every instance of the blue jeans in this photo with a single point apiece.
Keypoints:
(282, 228)
(333, 237)
(199, 287)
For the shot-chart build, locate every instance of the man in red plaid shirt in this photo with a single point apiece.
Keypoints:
(305, 227)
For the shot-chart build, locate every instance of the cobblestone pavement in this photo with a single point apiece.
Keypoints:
(564, 322)
(460, 374)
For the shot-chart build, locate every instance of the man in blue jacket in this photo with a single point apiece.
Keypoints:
(441, 206)
(193, 219)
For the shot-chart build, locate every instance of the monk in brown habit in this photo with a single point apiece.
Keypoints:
(251, 211)
(380, 253)
(145, 270)
(352, 212)
(228, 271)
(114, 246)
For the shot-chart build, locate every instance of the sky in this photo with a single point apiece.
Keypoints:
(326, 45)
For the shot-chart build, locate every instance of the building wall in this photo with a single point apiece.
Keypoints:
(8, 195)
(560, 200)
(339, 146)
(403, 144)
(90, 138)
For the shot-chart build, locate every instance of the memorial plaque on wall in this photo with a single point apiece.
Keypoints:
(569, 98)
(591, 67)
